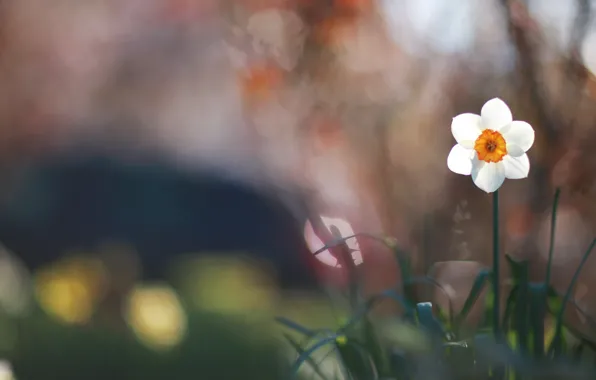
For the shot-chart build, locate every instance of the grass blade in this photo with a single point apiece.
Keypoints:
(296, 327)
(428, 320)
(521, 309)
(538, 293)
(374, 347)
(553, 222)
(477, 288)
(307, 354)
(556, 344)
(357, 359)
(309, 359)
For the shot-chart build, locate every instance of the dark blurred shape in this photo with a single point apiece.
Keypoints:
(79, 203)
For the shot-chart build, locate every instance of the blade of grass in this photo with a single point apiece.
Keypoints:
(555, 348)
(428, 320)
(371, 302)
(296, 327)
(309, 359)
(345, 258)
(400, 365)
(374, 347)
(405, 268)
(342, 240)
(357, 360)
(553, 222)
(306, 354)
(537, 313)
(477, 288)
(509, 308)
(435, 283)
(521, 309)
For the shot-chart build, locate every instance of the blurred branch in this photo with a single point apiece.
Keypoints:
(517, 20)
(580, 28)
(575, 75)
(575, 69)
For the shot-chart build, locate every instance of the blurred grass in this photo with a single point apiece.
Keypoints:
(226, 319)
(215, 348)
(216, 321)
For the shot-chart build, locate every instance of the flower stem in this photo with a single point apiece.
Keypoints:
(496, 267)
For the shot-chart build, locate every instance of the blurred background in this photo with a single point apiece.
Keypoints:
(169, 166)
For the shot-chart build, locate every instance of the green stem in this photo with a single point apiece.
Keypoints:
(553, 222)
(496, 267)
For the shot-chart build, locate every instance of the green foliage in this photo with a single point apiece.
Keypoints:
(525, 341)
(215, 348)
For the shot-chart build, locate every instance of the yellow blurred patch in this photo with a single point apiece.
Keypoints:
(156, 316)
(70, 289)
(228, 285)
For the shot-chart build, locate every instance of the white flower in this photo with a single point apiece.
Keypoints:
(490, 146)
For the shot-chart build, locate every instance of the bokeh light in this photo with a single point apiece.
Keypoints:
(15, 284)
(156, 315)
(230, 284)
(6, 371)
(70, 289)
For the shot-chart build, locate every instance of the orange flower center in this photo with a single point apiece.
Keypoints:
(490, 146)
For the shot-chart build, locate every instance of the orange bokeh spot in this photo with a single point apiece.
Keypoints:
(353, 4)
(259, 81)
(328, 131)
(490, 146)
(334, 29)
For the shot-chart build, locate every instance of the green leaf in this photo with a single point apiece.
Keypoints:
(428, 320)
(508, 322)
(556, 346)
(357, 361)
(374, 347)
(518, 269)
(538, 294)
(392, 294)
(296, 327)
(405, 268)
(521, 322)
(400, 365)
(553, 223)
(477, 287)
(431, 281)
(307, 354)
(309, 359)
(342, 240)
(488, 309)
(372, 301)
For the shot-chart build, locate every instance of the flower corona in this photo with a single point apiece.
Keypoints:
(490, 146)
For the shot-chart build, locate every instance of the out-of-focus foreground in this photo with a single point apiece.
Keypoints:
(168, 166)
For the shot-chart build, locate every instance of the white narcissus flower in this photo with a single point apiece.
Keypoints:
(490, 146)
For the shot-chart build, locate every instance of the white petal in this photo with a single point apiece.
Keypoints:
(516, 167)
(466, 128)
(518, 133)
(495, 114)
(515, 150)
(488, 176)
(460, 160)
